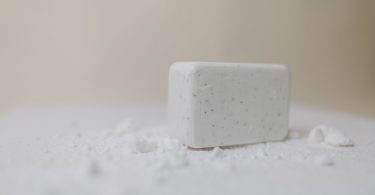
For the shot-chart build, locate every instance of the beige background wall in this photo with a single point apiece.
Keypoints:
(103, 51)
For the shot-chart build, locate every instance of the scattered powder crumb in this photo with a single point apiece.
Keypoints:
(124, 127)
(316, 136)
(79, 135)
(74, 124)
(277, 157)
(336, 138)
(261, 152)
(217, 152)
(180, 162)
(323, 160)
(89, 168)
(167, 144)
(329, 135)
(174, 161)
(151, 154)
(142, 145)
(94, 169)
(161, 180)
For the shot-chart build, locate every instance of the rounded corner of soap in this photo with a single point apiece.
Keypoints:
(188, 67)
(174, 66)
(283, 67)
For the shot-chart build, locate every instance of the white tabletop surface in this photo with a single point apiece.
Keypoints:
(125, 150)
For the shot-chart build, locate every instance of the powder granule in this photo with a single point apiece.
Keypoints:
(323, 160)
(330, 136)
(217, 152)
(142, 145)
(316, 135)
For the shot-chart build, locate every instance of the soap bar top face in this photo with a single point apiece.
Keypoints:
(221, 104)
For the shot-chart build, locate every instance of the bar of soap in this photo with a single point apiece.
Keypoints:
(222, 104)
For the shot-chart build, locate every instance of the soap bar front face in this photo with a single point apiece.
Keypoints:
(221, 104)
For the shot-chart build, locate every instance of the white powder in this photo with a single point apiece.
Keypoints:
(175, 160)
(323, 160)
(137, 158)
(261, 152)
(124, 127)
(329, 135)
(94, 169)
(143, 145)
(217, 152)
(316, 135)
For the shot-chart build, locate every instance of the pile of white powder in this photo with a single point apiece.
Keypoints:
(152, 148)
(134, 158)
(330, 136)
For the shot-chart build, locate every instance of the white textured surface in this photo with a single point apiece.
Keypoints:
(125, 150)
(221, 104)
(329, 135)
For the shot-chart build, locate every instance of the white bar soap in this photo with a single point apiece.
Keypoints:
(222, 104)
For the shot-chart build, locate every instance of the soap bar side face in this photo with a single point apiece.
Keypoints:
(239, 104)
(180, 85)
